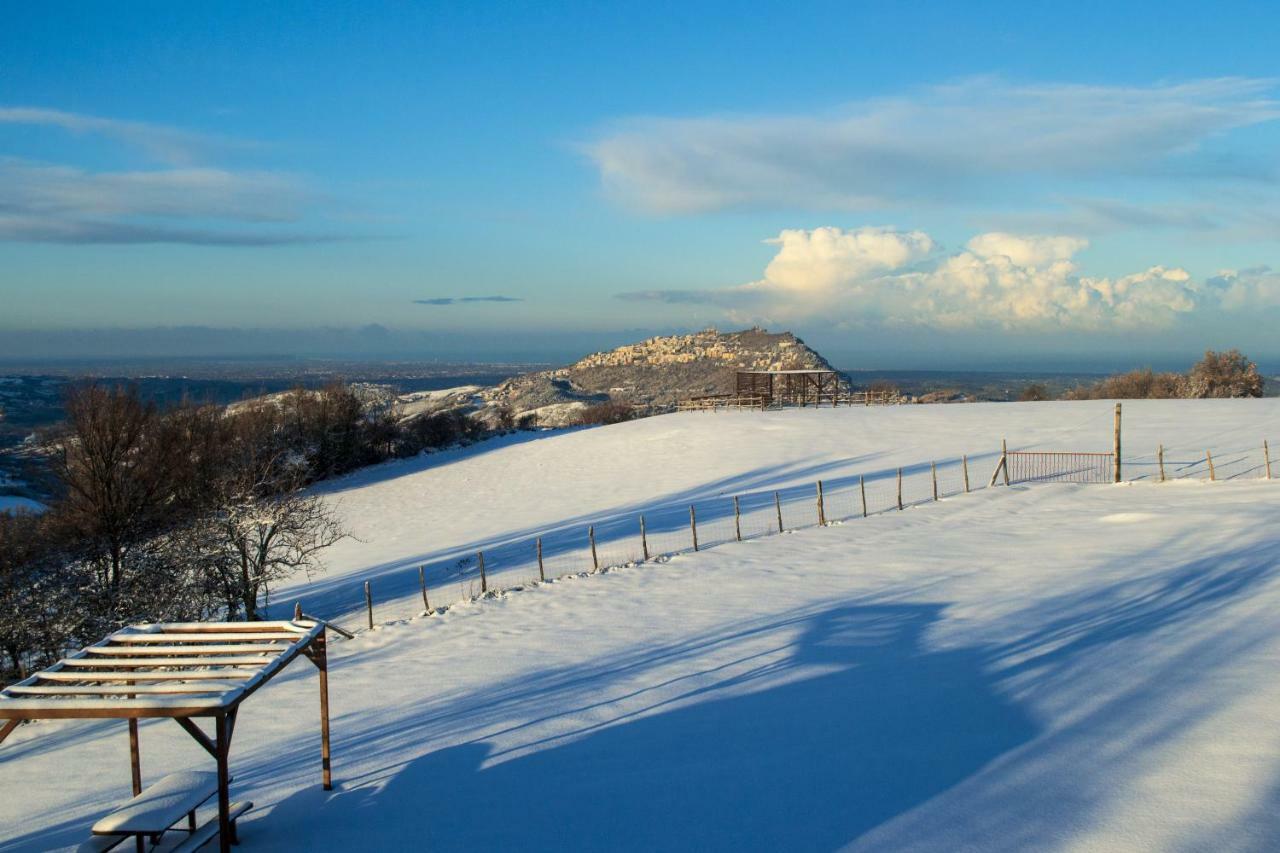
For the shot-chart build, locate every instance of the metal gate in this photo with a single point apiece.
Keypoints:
(1036, 467)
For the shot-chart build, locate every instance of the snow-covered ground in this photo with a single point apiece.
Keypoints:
(1046, 667)
(439, 509)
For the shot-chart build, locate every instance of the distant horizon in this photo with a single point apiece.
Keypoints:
(208, 345)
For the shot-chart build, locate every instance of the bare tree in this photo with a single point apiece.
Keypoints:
(114, 475)
(266, 528)
(270, 538)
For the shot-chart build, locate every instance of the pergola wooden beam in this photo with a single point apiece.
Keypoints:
(245, 660)
(175, 670)
(210, 637)
(135, 675)
(193, 650)
(126, 690)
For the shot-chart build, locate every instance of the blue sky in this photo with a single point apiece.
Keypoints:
(903, 185)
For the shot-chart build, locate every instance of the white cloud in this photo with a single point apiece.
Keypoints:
(821, 261)
(62, 204)
(941, 143)
(42, 189)
(880, 277)
(1025, 251)
(1248, 289)
(180, 200)
(166, 144)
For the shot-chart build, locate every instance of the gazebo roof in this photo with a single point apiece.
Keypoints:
(176, 669)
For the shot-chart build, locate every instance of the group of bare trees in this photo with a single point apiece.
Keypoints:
(181, 514)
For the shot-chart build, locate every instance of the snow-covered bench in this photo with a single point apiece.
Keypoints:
(158, 808)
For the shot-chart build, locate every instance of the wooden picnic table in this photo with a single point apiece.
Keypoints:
(180, 670)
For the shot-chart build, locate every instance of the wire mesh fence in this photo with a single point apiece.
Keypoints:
(621, 539)
(1058, 467)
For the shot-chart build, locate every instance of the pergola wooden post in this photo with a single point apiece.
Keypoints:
(177, 670)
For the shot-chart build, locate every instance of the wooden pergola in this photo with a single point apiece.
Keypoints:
(788, 387)
(183, 671)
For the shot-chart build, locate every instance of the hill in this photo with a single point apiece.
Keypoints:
(1029, 668)
(657, 372)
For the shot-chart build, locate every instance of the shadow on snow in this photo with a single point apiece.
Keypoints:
(867, 725)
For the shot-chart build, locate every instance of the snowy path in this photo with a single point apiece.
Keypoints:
(1048, 668)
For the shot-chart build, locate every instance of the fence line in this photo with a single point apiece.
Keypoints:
(676, 528)
(747, 400)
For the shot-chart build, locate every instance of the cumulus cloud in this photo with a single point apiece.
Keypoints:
(824, 260)
(939, 143)
(1242, 290)
(887, 278)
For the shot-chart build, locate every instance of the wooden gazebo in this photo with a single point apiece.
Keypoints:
(179, 670)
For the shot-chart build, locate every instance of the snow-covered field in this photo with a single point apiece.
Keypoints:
(438, 510)
(1045, 667)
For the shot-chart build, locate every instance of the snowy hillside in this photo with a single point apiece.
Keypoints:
(1039, 667)
(440, 509)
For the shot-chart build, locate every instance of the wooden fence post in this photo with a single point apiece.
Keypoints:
(899, 488)
(1160, 459)
(1266, 455)
(1116, 448)
(737, 519)
(933, 470)
(995, 475)
(422, 582)
(591, 535)
(368, 603)
(1212, 475)
(693, 526)
(484, 579)
(777, 504)
(862, 487)
(964, 463)
(644, 539)
(542, 575)
(1004, 459)
(822, 510)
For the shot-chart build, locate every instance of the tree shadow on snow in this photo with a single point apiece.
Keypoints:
(565, 540)
(864, 725)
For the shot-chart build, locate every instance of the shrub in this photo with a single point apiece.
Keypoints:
(440, 429)
(1134, 385)
(1224, 374)
(609, 412)
(1035, 392)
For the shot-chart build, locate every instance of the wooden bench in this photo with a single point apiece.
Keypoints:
(158, 808)
(208, 831)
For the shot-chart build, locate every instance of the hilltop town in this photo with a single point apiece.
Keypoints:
(654, 373)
